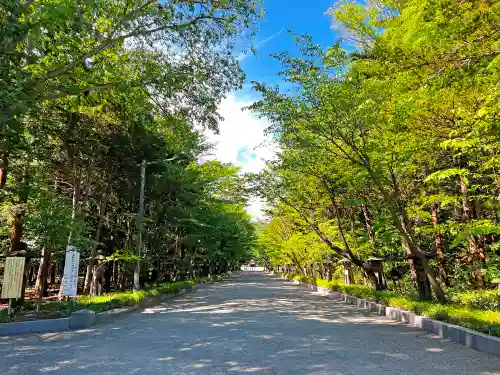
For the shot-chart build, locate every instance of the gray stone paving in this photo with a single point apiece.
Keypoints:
(249, 324)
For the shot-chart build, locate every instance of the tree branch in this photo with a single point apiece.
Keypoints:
(62, 94)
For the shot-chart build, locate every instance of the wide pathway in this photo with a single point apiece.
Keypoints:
(249, 324)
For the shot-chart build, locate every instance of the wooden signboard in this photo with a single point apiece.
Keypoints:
(13, 277)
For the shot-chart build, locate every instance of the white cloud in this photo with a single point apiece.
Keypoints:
(242, 142)
(241, 139)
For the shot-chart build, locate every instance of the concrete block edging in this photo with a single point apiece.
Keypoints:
(83, 319)
(470, 338)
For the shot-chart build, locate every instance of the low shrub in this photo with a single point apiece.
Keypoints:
(477, 299)
(4, 317)
(465, 314)
(112, 301)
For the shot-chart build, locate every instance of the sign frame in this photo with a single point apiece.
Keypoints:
(13, 277)
(70, 276)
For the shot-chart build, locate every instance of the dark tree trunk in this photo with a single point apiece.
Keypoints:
(90, 266)
(4, 164)
(439, 245)
(53, 272)
(369, 227)
(475, 256)
(108, 275)
(27, 270)
(31, 274)
(41, 280)
(419, 276)
(17, 230)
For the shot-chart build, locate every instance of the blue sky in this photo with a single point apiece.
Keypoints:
(241, 139)
(299, 16)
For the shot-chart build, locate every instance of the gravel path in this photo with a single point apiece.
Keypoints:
(249, 324)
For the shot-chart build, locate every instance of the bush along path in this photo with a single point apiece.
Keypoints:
(106, 302)
(461, 312)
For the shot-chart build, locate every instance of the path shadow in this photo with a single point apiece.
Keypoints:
(252, 323)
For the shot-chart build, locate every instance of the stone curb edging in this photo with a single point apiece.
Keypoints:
(470, 338)
(83, 319)
(47, 325)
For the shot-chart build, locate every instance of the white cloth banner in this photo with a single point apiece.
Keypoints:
(70, 277)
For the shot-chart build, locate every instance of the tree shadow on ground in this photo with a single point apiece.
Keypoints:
(249, 324)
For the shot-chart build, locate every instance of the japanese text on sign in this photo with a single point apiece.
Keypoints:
(13, 277)
(70, 278)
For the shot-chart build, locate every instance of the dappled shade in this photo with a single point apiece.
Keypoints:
(252, 323)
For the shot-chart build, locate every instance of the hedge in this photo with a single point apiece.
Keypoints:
(476, 299)
(111, 301)
(464, 315)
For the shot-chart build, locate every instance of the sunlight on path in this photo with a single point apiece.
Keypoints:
(250, 324)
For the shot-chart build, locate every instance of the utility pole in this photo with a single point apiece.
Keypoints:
(137, 268)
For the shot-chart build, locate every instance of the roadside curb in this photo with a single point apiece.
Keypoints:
(470, 338)
(83, 319)
(47, 325)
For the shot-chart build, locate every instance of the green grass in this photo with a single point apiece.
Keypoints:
(464, 315)
(112, 301)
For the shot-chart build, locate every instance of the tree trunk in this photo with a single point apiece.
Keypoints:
(439, 245)
(26, 276)
(17, 222)
(402, 223)
(90, 266)
(41, 280)
(475, 256)
(418, 275)
(76, 199)
(53, 272)
(294, 259)
(31, 273)
(4, 164)
(369, 227)
(17, 230)
(413, 271)
(329, 274)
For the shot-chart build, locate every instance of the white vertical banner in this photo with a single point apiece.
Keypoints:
(13, 277)
(70, 277)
